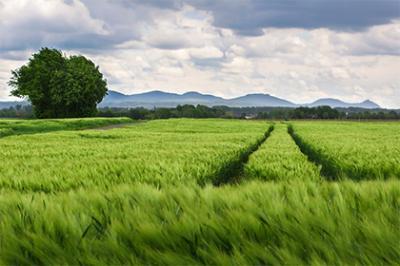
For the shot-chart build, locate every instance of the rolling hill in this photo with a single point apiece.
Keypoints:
(367, 104)
(166, 99)
(153, 99)
(8, 104)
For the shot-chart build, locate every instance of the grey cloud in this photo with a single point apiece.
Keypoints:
(247, 17)
(196, 52)
(377, 40)
(29, 25)
(14, 55)
(125, 20)
(85, 24)
(162, 4)
(208, 63)
(169, 42)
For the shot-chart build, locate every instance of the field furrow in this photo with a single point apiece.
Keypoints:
(167, 192)
(351, 150)
(148, 153)
(279, 159)
(234, 172)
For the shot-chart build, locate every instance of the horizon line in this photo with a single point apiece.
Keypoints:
(253, 93)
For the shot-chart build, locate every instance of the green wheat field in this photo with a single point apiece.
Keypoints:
(193, 192)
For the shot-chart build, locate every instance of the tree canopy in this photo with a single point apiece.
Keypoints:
(59, 86)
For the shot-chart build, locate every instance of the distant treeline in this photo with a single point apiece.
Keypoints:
(191, 111)
(201, 111)
(18, 111)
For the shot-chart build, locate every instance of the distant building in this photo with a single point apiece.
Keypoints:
(251, 116)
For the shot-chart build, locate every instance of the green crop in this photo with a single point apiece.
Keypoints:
(149, 153)
(18, 126)
(279, 159)
(358, 151)
(298, 223)
(165, 192)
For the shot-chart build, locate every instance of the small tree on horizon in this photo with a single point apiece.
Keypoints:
(59, 86)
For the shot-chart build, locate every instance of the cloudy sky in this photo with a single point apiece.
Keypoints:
(299, 50)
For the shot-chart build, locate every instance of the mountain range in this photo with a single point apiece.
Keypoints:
(4, 105)
(166, 99)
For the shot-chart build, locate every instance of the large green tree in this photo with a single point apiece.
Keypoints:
(59, 86)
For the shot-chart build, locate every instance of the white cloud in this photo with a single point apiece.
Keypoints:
(206, 52)
(25, 23)
(5, 75)
(142, 47)
(239, 65)
(382, 39)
